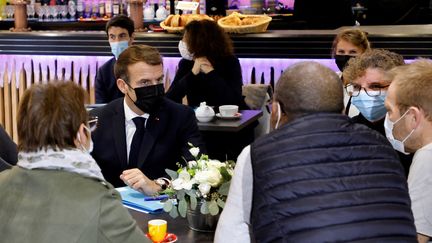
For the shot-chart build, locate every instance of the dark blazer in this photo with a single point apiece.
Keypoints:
(8, 149)
(106, 88)
(222, 86)
(165, 142)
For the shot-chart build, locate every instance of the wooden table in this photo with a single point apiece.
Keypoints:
(178, 226)
(223, 125)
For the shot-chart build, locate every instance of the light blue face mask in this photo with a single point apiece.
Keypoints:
(372, 108)
(118, 47)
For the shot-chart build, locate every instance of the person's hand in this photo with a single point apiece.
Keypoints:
(138, 181)
(202, 64)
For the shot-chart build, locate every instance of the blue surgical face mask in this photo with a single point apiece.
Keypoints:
(372, 108)
(118, 47)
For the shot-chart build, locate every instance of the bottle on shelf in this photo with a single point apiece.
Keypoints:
(80, 8)
(87, 8)
(2, 9)
(108, 8)
(202, 6)
(102, 8)
(115, 7)
(95, 9)
(176, 11)
(123, 6)
(72, 9)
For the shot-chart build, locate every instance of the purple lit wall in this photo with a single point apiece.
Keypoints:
(87, 65)
(44, 66)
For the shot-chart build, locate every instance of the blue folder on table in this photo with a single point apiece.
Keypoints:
(137, 201)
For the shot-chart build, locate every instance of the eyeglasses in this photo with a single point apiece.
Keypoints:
(92, 123)
(372, 91)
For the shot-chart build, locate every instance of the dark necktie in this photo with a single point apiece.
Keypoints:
(136, 142)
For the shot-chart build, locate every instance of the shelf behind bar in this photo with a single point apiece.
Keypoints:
(410, 41)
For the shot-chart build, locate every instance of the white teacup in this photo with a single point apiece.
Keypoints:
(228, 110)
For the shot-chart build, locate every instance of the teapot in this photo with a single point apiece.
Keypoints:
(204, 113)
(149, 12)
(161, 13)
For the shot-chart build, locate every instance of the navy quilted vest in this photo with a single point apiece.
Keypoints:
(323, 178)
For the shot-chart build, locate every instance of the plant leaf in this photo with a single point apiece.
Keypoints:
(180, 195)
(169, 191)
(172, 174)
(193, 201)
(182, 208)
(225, 175)
(168, 206)
(191, 193)
(204, 208)
(213, 207)
(220, 202)
(224, 188)
(174, 213)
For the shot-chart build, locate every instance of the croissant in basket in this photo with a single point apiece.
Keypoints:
(177, 20)
(242, 23)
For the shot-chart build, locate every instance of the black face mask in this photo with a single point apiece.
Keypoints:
(342, 60)
(149, 98)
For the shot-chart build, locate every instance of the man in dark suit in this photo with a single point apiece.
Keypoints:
(8, 149)
(120, 32)
(164, 127)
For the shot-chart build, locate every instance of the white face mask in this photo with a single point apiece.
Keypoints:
(90, 149)
(184, 51)
(388, 126)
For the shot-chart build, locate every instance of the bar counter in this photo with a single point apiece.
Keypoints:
(409, 40)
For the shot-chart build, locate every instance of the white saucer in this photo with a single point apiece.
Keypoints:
(238, 115)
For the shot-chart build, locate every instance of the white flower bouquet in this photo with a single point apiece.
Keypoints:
(202, 181)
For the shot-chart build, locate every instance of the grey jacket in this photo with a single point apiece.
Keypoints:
(57, 206)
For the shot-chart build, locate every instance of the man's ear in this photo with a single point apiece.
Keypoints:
(417, 117)
(132, 39)
(121, 84)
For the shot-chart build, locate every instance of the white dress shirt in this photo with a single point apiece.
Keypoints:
(420, 189)
(130, 125)
(234, 222)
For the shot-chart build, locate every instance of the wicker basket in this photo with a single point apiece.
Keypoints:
(171, 29)
(258, 27)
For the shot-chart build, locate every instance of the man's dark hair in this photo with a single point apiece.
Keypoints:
(309, 87)
(134, 54)
(121, 21)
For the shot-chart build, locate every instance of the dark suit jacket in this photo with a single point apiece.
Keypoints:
(165, 142)
(8, 149)
(106, 88)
